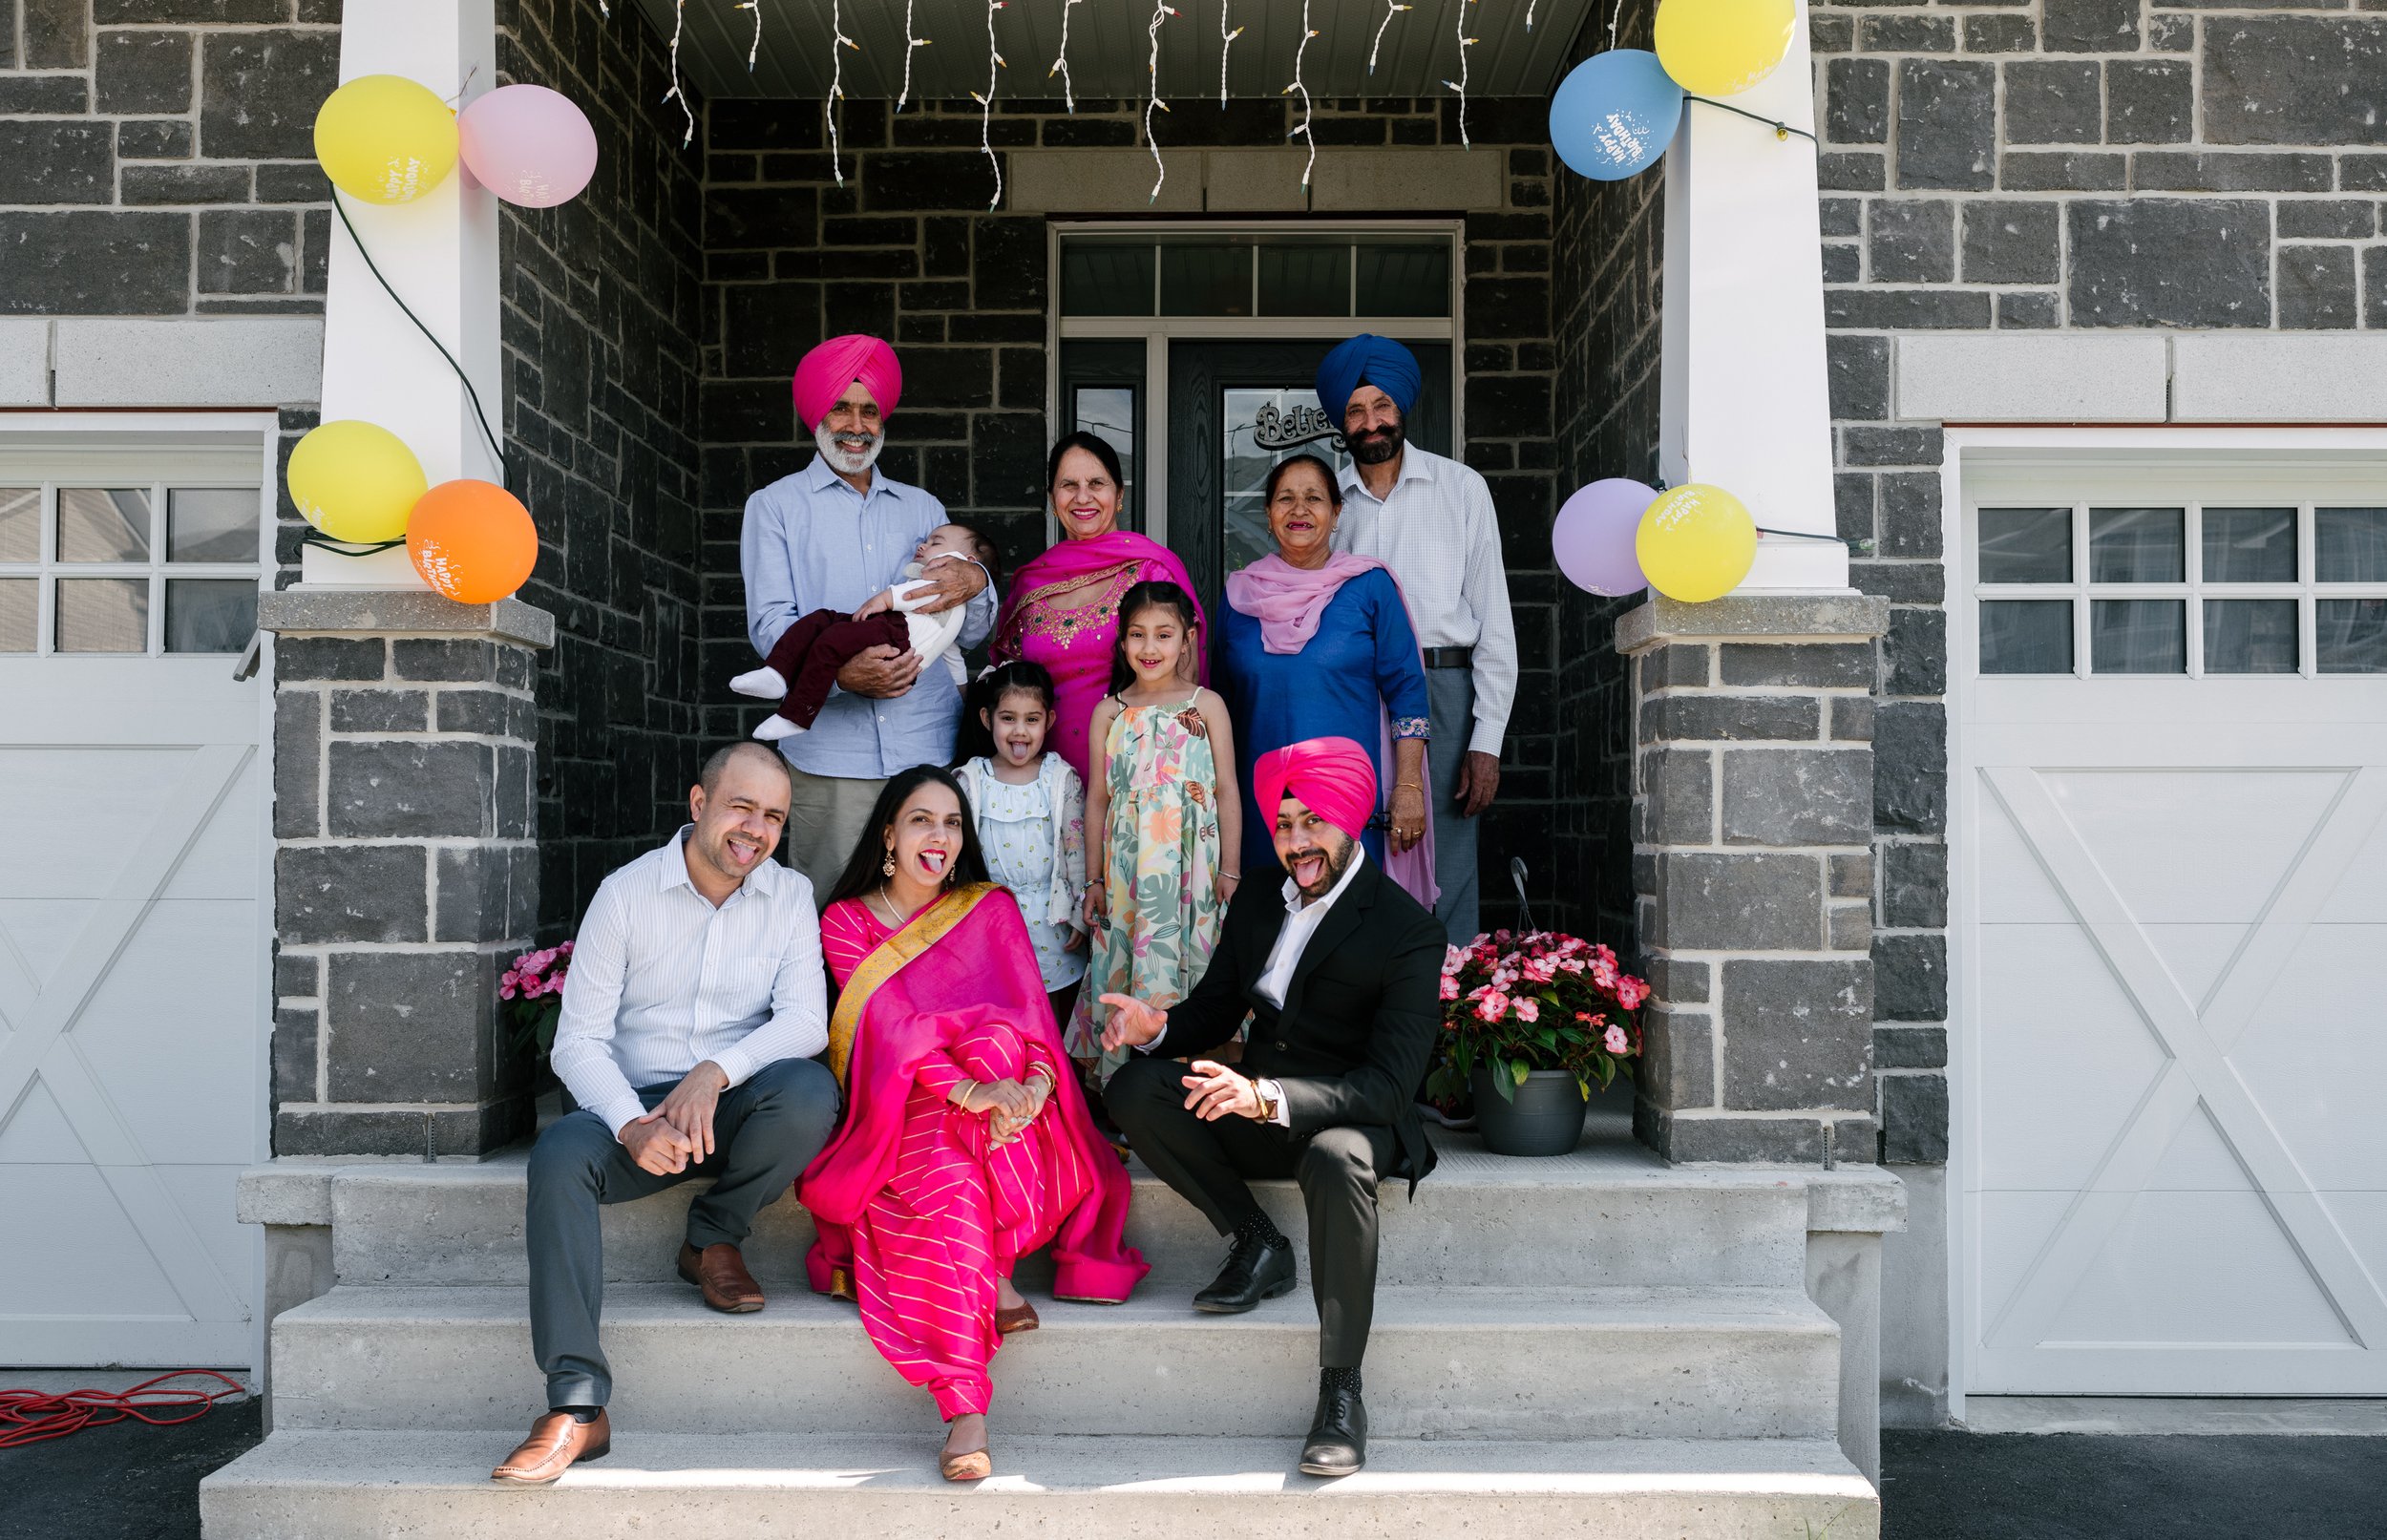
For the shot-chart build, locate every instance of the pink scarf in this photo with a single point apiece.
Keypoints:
(1288, 602)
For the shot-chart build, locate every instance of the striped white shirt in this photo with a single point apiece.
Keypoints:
(1438, 533)
(661, 980)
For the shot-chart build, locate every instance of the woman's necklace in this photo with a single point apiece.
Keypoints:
(884, 901)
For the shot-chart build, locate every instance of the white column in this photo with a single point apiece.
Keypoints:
(1745, 401)
(440, 254)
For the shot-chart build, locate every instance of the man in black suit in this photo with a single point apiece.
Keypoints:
(1340, 971)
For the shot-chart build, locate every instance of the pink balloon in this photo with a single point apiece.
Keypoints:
(529, 145)
(1593, 537)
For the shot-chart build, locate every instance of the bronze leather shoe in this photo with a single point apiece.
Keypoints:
(556, 1444)
(720, 1272)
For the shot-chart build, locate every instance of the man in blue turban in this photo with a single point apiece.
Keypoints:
(1430, 519)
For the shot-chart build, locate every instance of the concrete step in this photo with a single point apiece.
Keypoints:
(327, 1486)
(1478, 1364)
(1608, 1215)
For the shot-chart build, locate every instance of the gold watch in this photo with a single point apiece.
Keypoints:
(1268, 1104)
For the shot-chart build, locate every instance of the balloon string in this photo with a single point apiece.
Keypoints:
(505, 471)
(1781, 130)
(324, 543)
(1804, 535)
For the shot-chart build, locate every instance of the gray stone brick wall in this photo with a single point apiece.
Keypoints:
(2092, 165)
(158, 158)
(908, 249)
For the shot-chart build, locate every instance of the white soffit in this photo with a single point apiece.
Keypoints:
(2220, 377)
(2031, 377)
(209, 360)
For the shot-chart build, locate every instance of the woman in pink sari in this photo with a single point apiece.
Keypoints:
(1064, 609)
(963, 1146)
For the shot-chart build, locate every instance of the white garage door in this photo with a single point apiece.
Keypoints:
(133, 889)
(2170, 943)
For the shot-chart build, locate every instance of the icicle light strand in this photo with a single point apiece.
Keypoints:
(1391, 10)
(1226, 41)
(1303, 127)
(1460, 84)
(678, 24)
(755, 49)
(1061, 65)
(986, 103)
(836, 85)
(910, 43)
(1161, 11)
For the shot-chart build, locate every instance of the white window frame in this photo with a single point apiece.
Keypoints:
(1981, 447)
(1157, 331)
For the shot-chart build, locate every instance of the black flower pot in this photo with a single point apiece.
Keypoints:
(1543, 1117)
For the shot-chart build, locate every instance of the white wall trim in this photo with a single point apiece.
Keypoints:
(24, 362)
(2220, 377)
(196, 361)
(2035, 377)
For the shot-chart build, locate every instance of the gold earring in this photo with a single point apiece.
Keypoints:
(886, 868)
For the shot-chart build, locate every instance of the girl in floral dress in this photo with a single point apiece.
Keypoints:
(1163, 807)
(1030, 811)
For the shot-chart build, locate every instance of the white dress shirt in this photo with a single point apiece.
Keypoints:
(1439, 535)
(1302, 919)
(661, 980)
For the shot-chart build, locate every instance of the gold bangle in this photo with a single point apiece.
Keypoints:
(1406, 786)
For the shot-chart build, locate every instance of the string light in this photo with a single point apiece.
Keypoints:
(1460, 84)
(986, 103)
(1391, 10)
(755, 48)
(1061, 65)
(910, 43)
(1304, 128)
(678, 23)
(1226, 41)
(836, 85)
(1162, 10)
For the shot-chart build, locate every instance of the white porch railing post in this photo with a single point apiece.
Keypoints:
(1745, 400)
(440, 254)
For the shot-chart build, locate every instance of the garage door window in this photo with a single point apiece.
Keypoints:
(91, 567)
(2186, 589)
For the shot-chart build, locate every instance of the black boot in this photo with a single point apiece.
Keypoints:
(1338, 1440)
(1260, 1267)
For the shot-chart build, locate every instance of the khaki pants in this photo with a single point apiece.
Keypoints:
(827, 816)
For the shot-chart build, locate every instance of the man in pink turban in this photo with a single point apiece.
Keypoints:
(830, 536)
(1340, 971)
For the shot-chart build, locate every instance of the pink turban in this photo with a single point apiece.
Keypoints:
(1333, 777)
(824, 373)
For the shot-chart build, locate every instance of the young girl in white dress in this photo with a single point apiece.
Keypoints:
(1030, 810)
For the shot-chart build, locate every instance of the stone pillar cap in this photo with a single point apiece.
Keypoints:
(398, 612)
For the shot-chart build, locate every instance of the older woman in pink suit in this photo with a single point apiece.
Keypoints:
(964, 1146)
(1064, 609)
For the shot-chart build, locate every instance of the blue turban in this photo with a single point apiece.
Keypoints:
(1369, 359)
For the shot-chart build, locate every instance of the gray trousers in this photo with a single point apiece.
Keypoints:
(827, 816)
(1451, 695)
(765, 1131)
(1209, 1164)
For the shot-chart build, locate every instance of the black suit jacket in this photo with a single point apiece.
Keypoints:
(1360, 1016)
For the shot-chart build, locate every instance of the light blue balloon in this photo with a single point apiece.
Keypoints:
(1615, 114)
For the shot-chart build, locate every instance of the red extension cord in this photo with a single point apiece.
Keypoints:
(32, 1416)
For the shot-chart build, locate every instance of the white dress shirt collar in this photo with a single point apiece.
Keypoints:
(1300, 923)
(672, 872)
(1416, 465)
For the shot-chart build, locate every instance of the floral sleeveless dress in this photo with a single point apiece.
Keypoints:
(1161, 880)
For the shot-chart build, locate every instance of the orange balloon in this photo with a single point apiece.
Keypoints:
(472, 540)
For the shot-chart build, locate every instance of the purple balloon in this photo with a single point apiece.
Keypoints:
(529, 145)
(1593, 537)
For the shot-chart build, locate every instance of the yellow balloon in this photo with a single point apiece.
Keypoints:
(355, 481)
(386, 139)
(1696, 543)
(1714, 48)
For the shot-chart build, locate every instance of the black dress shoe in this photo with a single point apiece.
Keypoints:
(1255, 1271)
(1338, 1440)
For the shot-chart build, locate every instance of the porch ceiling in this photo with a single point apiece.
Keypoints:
(1108, 49)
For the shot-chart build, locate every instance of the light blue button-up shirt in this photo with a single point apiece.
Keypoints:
(810, 541)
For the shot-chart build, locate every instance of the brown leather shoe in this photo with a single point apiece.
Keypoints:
(720, 1272)
(556, 1444)
(1022, 1319)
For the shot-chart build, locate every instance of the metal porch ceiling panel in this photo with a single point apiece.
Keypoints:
(1108, 49)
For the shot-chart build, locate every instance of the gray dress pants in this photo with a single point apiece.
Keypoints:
(1451, 694)
(765, 1132)
(1208, 1165)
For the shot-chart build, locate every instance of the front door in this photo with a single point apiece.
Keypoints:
(1237, 408)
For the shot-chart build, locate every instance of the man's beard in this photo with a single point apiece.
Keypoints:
(1336, 866)
(845, 461)
(1378, 445)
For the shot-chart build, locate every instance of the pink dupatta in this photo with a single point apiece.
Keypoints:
(1288, 602)
(962, 962)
